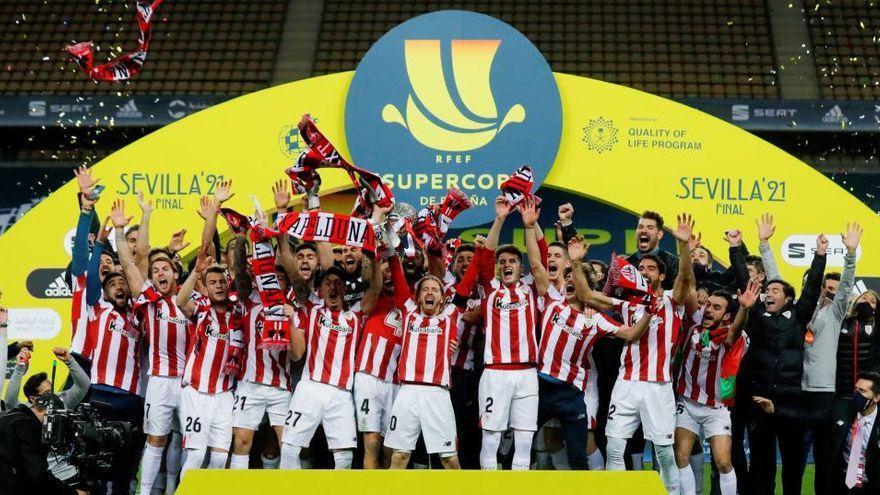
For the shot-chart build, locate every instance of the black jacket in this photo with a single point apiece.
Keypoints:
(669, 259)
(733, 278)
(841, 434)
(773, 364)
(23, 465)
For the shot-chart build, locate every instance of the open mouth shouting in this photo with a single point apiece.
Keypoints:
(350, 264)
(163, 284)
(644, 242)
(553, 269)
(305, 271)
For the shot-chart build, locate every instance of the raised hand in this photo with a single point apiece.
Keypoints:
(502, 208)
(223, 191)
(281, 193)
(685, 229)
(4, 317)
(748, 298)
(177, 244)
(694, 241)
(303, 120)
(821, 245)
(117, 214)
(146, 206)
(733, 237)
(479, 241)
(203, 260)
(61, 353)
(566, 212)
(104, 233)
(207, 207)
(766, 227)
(577, 248)
(84, 180)
(851, 237)
(529, 211)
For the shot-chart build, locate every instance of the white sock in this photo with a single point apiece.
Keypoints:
(342, 459)
(172, 462)
(615, 449)
(522, 450)
(595, 461)
(638, 461)
(290, 456)
(686, 480)
(150, 463)
(194, 458)
(697, 462)
(560, 460)
(489, 450)
(271, 463)
(542, 460)
(727, 482)
(218, 460)
(240, 461)
(668, 468)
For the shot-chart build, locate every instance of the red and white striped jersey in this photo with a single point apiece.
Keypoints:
(648, 359)
(167, 330)
(468, 337)
(331, 340)
(379, 349)
(699, 378)
(425, 357)
(213, 339)
(263, 366)
(115, 352)
(566, 338)
(510, 318)
(79, 317)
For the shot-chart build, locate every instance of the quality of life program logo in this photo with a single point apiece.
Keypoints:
(453, 98)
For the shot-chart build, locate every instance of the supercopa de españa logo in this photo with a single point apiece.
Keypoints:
(600, 135)
(290, 142)
(453, 98)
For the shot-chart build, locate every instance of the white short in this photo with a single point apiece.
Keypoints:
(373, 399)
(591, 399)
(161, 405)
(253, 400)
(315, 403)
(702, 419)
(509, 399)
(206, 419)
(424, 409)
(650, 403)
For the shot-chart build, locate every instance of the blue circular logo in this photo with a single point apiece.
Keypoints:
(453, 99)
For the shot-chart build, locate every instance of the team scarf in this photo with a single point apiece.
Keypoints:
(335, 228)
(276, 326)
(625, 282)
(432, 223)
(127, 66)
(319, 153)
(519, 187)
(730, 363)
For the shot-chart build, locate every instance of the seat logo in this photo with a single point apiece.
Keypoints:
(456, 115)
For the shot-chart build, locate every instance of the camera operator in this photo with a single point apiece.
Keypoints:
(67, 399)
(23, 459)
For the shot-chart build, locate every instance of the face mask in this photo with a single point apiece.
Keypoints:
(864, 310)
(860, 401)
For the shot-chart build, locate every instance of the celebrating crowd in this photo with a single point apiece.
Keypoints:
(373, 340)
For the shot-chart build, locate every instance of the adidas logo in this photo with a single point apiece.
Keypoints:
(129, 111)
(58, 288)
(834, 116)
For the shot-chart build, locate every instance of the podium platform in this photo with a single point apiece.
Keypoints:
(421, 482)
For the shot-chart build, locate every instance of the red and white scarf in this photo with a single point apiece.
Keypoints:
(625, 282)
(315, 226)
(276, 327)
(127, 66)
(433, 222)
(519, 187)
(321, 153)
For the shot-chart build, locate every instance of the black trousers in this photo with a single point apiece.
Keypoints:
(128, 407)
(818, 420)
(765, 431)
(463, 394)
(565, 402)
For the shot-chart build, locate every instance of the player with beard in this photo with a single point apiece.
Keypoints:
(212, 363)
(568, 331)
(327, 334)
(375, 383)
(643, 393)
(508, 390)
(423, 405)
(702, 401)
(353, 268)
(649, 232)
(166, 328)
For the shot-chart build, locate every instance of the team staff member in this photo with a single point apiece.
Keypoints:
(857, 470)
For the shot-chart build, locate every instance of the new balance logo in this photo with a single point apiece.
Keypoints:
(129, 111)
(834, 116)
